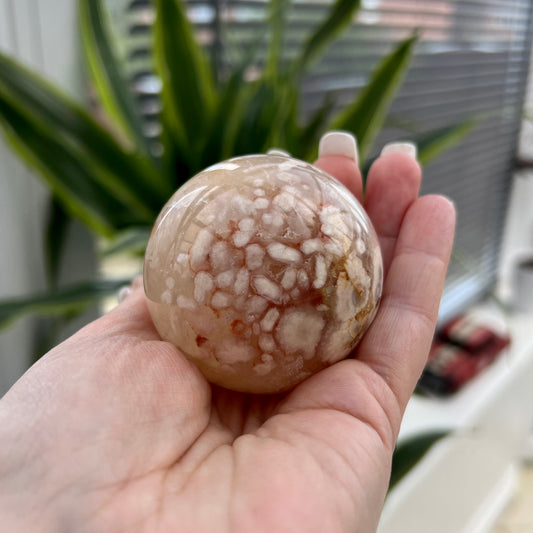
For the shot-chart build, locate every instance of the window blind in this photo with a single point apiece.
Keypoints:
(471, 61)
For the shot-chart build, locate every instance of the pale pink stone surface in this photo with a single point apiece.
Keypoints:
(263, 270)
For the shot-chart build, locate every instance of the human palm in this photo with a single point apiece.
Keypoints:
(114, 430)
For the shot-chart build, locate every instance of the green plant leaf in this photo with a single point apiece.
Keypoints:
(132, 240)
(432, 144)
(86, 192)
(127, 175)
(277, 20)
(57, 225)
(67, 176)
(113, 91)
(366, 115)
(309, 135)
(286, 107)
(59, 301)
(228, 113)
(261, 104)
(188, 91)
(264, 116)
(339, 19)
(408, 453)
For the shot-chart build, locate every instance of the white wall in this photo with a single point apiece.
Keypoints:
(518, 235)
(42, 34)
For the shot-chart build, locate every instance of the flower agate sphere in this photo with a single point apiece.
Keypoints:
(263, 270)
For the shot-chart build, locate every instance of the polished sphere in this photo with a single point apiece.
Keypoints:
(263, 270)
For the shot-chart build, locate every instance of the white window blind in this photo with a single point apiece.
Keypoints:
(471, 61)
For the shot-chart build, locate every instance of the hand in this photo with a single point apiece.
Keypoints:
(114, 430)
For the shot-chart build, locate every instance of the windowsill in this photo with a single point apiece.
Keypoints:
(462, 409)
(467, 478)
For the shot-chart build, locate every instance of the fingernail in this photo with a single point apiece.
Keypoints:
(408, 148)
(338, 143)
(277, 151)
(123, 293)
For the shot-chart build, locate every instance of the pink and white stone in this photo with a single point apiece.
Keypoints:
(263, 270)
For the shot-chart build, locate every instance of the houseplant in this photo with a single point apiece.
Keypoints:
(108, 178)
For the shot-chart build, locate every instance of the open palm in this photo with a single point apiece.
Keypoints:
(114, 430)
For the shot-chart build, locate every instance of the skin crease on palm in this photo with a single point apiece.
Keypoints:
(114, 430)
